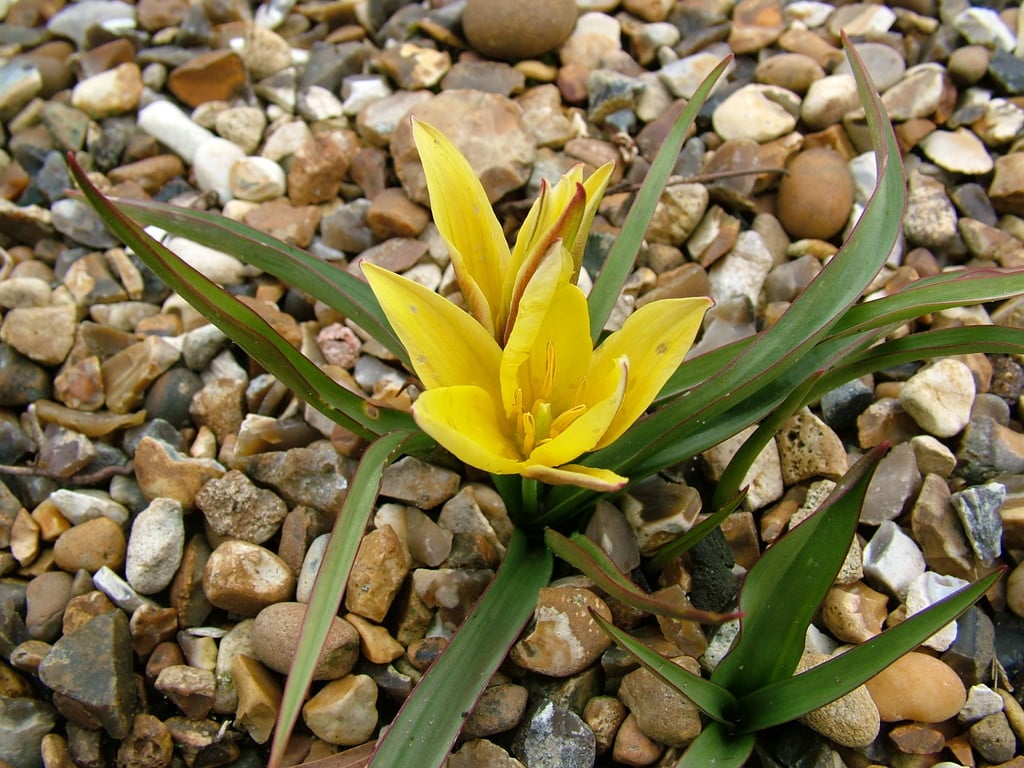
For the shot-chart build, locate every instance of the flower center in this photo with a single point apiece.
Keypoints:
(539, 423)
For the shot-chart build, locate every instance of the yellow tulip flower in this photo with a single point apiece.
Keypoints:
(491, 276)
(547, 397)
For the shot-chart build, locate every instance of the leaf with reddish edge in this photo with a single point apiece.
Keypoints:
(333, 576)
(245, 326)
(583, 554)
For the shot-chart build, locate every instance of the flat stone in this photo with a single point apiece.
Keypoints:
(978, 509)
(757, 112)
(677, 214)
(938, 531)
(896, 481)
(379, 569)
(109, 93)
(916, 95)
(959, 151)
(211, 76)
(91, 669)
(257, 179)
(993, 738)
(163, 472)
(43, 334)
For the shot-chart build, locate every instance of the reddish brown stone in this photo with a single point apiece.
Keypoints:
(212, 76)
(295, 225)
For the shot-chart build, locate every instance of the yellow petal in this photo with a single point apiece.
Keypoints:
(595, 186)
(463, 214)
(521, 345)
(466, 421)
(587, 430)
(655, 339)
(445, 345)
(596, 479)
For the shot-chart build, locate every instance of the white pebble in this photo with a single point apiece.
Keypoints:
(173, 128)
(155, 546)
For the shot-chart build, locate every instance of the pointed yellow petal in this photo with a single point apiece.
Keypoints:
(587, 430)
(551, 276)
(595, 186)
(466, 421)
(655, 339)
(463, 214)
(445, 345)
(601, 480)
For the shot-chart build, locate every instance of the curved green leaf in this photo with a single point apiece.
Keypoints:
(623, 253)
(783, 346)
(710, 698)
(718, 747)
(783, 590)
(790, 698)
(429, 721)
(333, 286)
(245, 327)
(333, 576)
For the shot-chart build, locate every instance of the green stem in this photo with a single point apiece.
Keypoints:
(531, 500)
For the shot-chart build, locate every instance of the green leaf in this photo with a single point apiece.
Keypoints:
(709, 697)
(785, 344)
(684, 543)
(429, 721)
(620, 259)
(717, 747)
(584, 555)
(333, 576)
(246, 328)
(783, 590)
(790, 698)
(333, 286)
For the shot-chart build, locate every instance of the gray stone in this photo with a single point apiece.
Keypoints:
(23, 724)
(155, 546)
(81, 223)
(978, 508)
(553, 737)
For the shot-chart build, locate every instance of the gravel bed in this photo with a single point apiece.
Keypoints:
(164, 502)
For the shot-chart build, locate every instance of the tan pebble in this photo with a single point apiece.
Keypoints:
(244, 578)
(917, 687)
(81, 609)
(851, 720)
(808, 448)
(344, 711)
(816, 197)
(376, 643)
(632, 747)
(917, 739)
(854, 612)
(662, 713)
(91, 545)
(509, 30)
(499, 709)
(564, 639)
(164, 472)
(377, 574)
(604, 715)
(259, 697)
(189, 688)
(275, 635)
(149, 745)
(24, 541)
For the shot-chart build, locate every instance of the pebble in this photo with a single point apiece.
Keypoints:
(959, 151)
(662, 713)
(499, 709)
(508, 30)
(344, 711)
(854, 613)
(927, 589)
(257, 179)
(982, 701)
(245, 578)
(564, 638)
(213, 160)
(43, 334)
(190, 689)
(993, 739)
(259, 696)
(46, 597)
(233, 506)
(168, 124)
(149, 745)
(109, 93)
(896, 480)
(939, 397)
(275, 634)
(808, 448)
(757, 112)
(978, 509)
(936, 693)
(92, 667)
(24, 724)
(378, 572)
(828, 100)
(155, 546)
(816, 197)
(892, 559)
(851, 720)
(91, 545)
(553, 735)
(481, 753)
(163, 472)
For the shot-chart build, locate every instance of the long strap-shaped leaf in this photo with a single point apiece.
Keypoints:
(803, 326)
(587, 557)
(718, 747)
(792, 697)
(245, 326)
(335, 287)
(333, 576)
(783, 590)
(429, 721)
(623, 253)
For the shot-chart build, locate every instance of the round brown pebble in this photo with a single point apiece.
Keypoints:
(510, 29)
(917, 687)
(91, 545)
(816, 196)
(275, 634)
